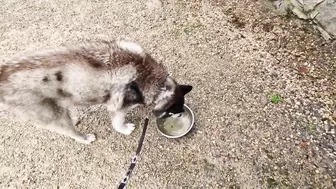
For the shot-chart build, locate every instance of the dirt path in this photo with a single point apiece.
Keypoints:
(236, 55)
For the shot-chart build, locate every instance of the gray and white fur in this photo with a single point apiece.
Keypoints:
(42, 86)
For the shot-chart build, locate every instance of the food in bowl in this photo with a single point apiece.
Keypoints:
(174, 127)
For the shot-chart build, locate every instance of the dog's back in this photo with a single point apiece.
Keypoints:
(82, 75)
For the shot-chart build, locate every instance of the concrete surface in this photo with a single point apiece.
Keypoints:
(236, 55)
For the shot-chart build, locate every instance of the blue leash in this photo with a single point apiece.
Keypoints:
(135, 157)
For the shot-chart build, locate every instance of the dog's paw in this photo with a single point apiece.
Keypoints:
(87, 138)
(90, 137)
(127, 129)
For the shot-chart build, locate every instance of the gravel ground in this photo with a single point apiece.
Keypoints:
(238, 55)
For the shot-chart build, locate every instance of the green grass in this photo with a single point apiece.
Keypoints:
(276, 98)
(312, 127)
(191, 28)
(272, 183)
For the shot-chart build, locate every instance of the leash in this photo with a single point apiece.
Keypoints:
(135, 157)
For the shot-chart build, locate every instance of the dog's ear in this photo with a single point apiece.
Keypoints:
(186, 88)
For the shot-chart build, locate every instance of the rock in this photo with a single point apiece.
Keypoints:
(310, 5)
(324, 34)
(299, 13)
(327, 16)
(322, 12)
(154, 4)
(282, 7)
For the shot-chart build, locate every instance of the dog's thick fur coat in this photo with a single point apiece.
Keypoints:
(42, 86)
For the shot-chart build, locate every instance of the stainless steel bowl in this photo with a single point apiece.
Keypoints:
(176, 127)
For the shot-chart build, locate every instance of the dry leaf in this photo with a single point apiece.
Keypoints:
(303, 70)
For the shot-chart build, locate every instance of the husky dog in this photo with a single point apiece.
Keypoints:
(42, 86)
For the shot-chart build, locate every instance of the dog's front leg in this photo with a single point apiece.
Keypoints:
(118, 122)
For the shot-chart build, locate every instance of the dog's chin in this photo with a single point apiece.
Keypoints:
(176, 115)
(163, 115)
(166, 115)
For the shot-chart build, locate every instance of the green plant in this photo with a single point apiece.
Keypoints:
(311, 127)
(276, 98)
(272, 183)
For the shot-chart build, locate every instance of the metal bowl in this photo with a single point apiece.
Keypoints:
(176, 127)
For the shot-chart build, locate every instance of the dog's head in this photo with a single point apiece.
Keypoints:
(170, 100)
